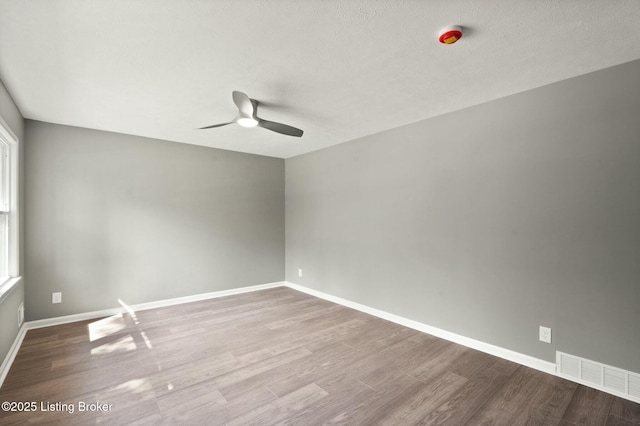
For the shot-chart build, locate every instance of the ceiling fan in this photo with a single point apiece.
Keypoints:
(247, 117)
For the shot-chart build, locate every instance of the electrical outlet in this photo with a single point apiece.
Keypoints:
(545, 334)
(299, 272)
(56, 297)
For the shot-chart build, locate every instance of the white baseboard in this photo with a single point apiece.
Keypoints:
(526, 360)
(31, 325)
(11, 355)
(48, 322)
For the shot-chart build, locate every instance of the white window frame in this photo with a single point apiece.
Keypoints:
(10, 141)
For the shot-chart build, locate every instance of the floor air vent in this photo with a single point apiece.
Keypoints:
(600, 376)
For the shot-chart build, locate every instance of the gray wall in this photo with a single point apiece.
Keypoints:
(111, 216)
(489, 221)
(9, 307)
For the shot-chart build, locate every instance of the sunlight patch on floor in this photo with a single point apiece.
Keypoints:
(106, 327)
(123, 344)
(147, 342)
(130, 311)
(135, 386)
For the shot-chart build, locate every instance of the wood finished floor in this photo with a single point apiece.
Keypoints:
(282, 357)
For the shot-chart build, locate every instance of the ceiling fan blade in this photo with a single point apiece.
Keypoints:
(215, 125)
(243, 103)
(280, 128)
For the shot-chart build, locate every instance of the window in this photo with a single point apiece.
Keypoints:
(8, 207)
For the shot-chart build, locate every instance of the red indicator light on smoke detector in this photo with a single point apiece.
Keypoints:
(450, 35)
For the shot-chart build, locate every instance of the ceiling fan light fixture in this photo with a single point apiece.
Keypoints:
(247, 117)
(247, 122)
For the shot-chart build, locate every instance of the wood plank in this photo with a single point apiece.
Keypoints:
(511, 399)
(412, 408)
(369, 411)
(463, 404)
(618, 421)
(281, 408)
(343, 392)
(288, 377)
(625, 410)
(588, 407)
(404, 364)
(549, 403)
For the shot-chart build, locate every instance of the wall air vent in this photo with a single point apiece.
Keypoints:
(20, 315)
(615, 381)
(634, 386)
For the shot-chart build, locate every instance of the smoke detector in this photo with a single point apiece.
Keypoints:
(450, 34)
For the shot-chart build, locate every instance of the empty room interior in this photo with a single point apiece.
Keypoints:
(253, 212)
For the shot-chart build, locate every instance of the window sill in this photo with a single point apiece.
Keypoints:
(7, 287)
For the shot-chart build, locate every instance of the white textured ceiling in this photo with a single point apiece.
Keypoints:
(337, 69)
